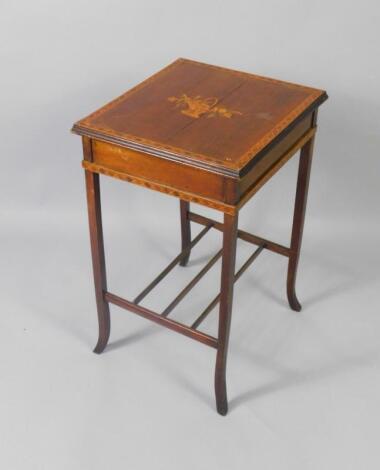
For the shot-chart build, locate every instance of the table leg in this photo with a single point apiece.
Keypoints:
(98, 259)
(185, 229)
(298, 221)
(225, 308)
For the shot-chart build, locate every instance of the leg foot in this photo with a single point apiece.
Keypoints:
(100, 346)
(221, 390)
(292, 298)
(104, 329)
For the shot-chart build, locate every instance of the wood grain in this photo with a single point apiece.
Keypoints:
(205, 135)
(226, 208)
(160, 171)
(143, 118)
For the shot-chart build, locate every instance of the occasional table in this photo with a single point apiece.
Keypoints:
(206, 135)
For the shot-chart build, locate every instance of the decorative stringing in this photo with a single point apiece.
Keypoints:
(190, 197)
(245, 158)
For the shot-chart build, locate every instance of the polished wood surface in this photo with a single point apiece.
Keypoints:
(205, 135)
(160, 171)
(215, 143)
(172, 191)
(207, 116)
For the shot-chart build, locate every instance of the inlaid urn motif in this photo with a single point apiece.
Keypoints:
(197, 106)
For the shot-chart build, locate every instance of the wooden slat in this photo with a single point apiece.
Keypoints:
(215, 301)
(248, 237)
(157, 318)
(191, 284)
(171, 265)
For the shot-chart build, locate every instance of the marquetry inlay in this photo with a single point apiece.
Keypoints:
(197, 106)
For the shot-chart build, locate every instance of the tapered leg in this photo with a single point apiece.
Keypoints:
(98, 260)
(185, 229)
(298, 221)
(226, 289)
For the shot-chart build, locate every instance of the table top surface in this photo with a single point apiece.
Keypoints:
(202, 115)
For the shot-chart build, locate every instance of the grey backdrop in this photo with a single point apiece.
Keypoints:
(304, 388)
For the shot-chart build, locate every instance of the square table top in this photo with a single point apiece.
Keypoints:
(202, 115)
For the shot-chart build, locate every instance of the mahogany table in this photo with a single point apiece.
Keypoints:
(211, 136)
